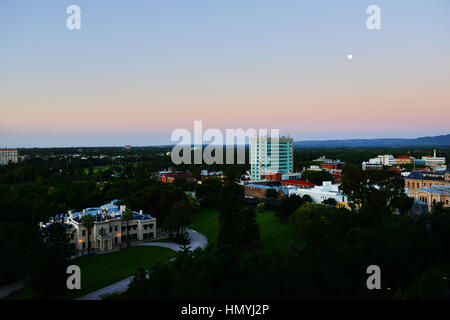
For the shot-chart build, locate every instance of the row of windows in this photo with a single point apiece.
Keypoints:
(116, 228)
(425, 199)
(417, 185)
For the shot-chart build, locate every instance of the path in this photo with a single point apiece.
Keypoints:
(197, 240)
(9, 288)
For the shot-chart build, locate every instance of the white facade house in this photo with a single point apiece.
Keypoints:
(320, 193)
(434, 160)
(109, 230)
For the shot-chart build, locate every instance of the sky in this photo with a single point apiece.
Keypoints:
(138, 70)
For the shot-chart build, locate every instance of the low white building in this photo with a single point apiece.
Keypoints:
(109, 230)
(320, 193)
(432, 161)
(378, 162)
(372, 164)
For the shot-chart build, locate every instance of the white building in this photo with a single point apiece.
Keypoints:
(378, 162)
(320, 193)
(322, 159)
(432, 161)
(372, 164)
(9, 156)
(109, 231)
(387, 160)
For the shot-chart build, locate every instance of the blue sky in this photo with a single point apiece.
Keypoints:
(137, 70)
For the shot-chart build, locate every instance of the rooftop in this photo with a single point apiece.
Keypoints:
(109, 211)
(297, 182)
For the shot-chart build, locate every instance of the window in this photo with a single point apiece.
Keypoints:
(84, 245)
(83, 233)
(115, 228)
(110, 229)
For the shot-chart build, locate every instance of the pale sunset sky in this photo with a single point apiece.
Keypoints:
(137, 70)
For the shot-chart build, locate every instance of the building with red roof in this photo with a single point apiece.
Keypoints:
(403, 160)
(298, 183)
(170, 177)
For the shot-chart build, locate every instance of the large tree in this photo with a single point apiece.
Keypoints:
(127, 216)
(375, 193)
(88, 223)
(49, 261)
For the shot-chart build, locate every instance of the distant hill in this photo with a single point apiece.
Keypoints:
(443, 140)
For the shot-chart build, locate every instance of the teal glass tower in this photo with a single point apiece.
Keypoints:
(271, 155)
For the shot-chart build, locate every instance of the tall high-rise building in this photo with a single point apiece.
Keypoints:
(271, 155)
(8, 155)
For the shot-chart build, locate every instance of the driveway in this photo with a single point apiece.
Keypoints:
(197, 240)
(9, 288)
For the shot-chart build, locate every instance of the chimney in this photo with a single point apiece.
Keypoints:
(123, 207)
(140, 211)
(434, 153)
(70, 215)
(84, 210)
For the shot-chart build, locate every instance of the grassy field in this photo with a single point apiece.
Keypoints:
(105, 269)
(102, 270)
(276, 235)
(206, 221)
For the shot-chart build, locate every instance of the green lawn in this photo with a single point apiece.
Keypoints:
(276, 235)
(206, 221)
(105, 269)
(102, 270)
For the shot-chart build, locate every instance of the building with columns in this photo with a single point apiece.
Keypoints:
(109, 230)
(422, 179)
(432, 195)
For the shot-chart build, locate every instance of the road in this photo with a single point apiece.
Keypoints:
(197, 240)
(9, 288)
